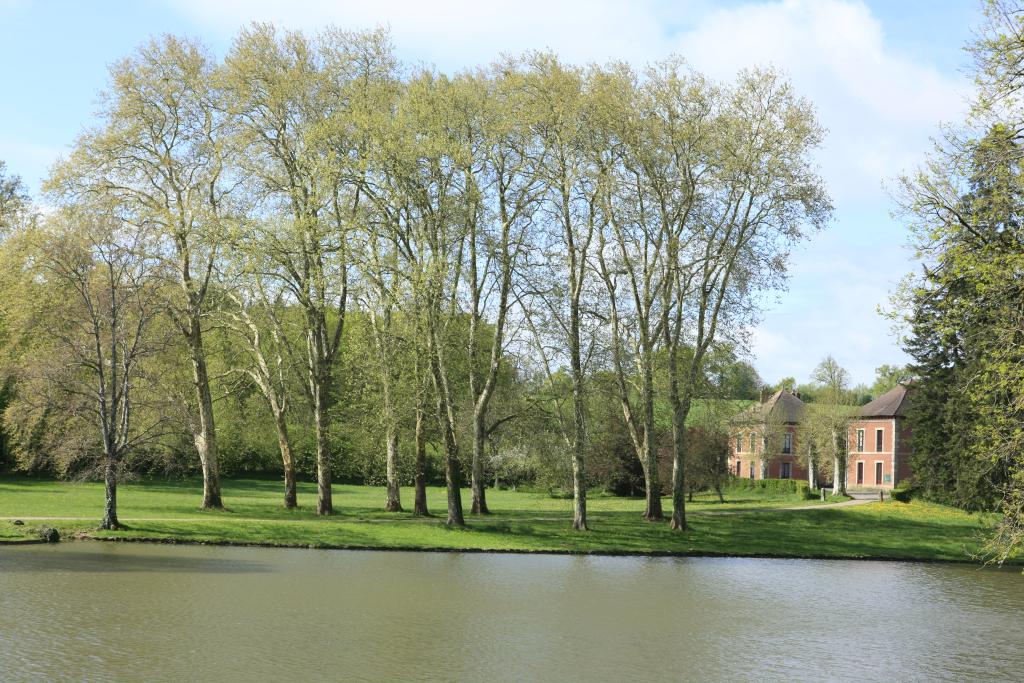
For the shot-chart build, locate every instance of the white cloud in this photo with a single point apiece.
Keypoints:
(831, 309)
(457, 33)
(878, 105)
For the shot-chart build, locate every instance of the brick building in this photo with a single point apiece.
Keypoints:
(765, 437)
(879, 443)
(768, 427)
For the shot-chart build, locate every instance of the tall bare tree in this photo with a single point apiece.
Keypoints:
(759, 192)
(505, 191)
(92, 300)
(158, 154)
(380, 268)
(633, 260)
(258, 320)
(555, 300)
(293, 102)
(419, 179)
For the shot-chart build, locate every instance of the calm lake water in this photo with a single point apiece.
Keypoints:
(101, 611)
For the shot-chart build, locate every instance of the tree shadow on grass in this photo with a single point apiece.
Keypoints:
(814, 533)
(818, 533)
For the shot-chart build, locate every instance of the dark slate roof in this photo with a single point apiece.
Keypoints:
(892, 403)
(782, 406)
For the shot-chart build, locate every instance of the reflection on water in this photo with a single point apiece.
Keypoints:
(94, 558)
(90, 611)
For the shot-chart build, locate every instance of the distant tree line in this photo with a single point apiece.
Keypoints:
(307, 257)
(886, 377)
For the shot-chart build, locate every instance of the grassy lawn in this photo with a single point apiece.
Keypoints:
(521, 521)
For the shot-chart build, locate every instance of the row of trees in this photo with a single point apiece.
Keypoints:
(963, 310)
(226, 224)
(886, 377)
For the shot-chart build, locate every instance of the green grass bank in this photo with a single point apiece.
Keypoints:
(750, 523)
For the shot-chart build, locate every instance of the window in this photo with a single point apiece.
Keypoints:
(787, 442)
(860, 472)
(753, 442)
(739, 444)
(751, 469)
(878, 472)
(860, 440)
(878, 440)
(739, 468)
(786, 470)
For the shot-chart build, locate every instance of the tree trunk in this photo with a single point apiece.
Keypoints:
(811, 480)
(204, 432)
(680, 409)
(653, 511)
(839, 485)
(385, 348)
(446, 420)
(287, 461)
(324, 498)
(110, 522)
(420, 503)
(479, 484)
(579, 472)
(679, 412)
(452, 471)
(394, 501)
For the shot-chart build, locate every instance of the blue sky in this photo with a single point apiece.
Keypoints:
(882, 73)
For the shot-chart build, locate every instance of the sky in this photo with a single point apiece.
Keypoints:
(882, 74)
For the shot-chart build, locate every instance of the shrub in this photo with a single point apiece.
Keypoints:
(901, 495)
(780, 486)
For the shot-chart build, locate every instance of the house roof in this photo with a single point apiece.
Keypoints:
(892, 403)
(782, 406)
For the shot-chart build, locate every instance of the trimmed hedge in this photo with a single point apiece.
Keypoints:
(782, 486)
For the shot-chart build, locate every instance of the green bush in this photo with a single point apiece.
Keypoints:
(778, 486)
(901, 495)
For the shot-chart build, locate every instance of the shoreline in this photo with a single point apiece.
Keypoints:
(764, 527)
(83, 536)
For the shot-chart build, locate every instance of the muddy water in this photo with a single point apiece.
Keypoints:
(133, 612)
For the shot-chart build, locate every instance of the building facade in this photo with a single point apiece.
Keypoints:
(764, 440)
(879, 443)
